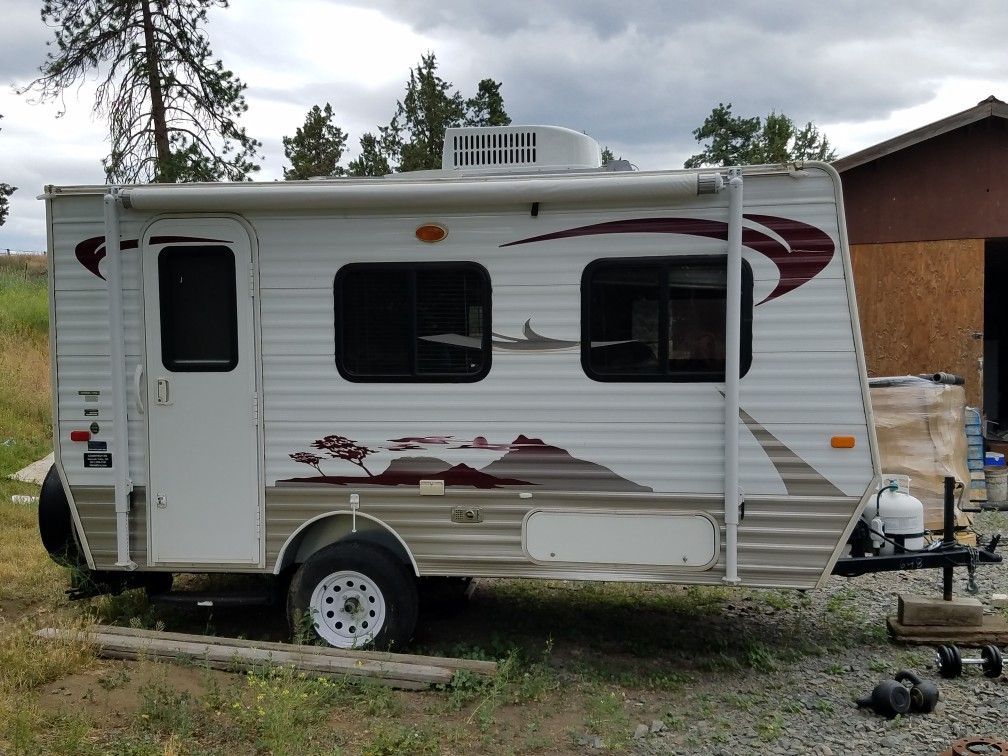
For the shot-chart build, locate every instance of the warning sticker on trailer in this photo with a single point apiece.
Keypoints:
(97, 459)
(90, 396)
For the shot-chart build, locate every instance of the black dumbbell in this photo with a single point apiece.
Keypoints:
(889, 698)
(923, 693)
(950, 661)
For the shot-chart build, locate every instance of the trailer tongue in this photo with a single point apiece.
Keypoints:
(947, 553)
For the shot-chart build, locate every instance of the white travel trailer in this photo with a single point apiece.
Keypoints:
(525, 364)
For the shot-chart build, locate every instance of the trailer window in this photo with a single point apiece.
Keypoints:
(660, 319)
(199, 326)
(413, 322)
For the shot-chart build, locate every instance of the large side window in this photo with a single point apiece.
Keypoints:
(199, 322)
(660, 319)
(413, 322)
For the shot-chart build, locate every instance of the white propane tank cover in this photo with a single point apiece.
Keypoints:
(902, 514)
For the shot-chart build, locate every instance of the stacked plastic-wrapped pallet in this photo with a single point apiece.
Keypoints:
(975, 455)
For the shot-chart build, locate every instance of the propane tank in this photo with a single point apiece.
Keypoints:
(897, 515)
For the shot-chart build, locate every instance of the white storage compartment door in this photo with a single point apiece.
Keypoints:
(688, 541)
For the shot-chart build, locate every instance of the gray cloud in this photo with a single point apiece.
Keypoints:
(22, 42)
(639, 75)
(656, 67)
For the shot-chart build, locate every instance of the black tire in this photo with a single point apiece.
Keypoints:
(397, 587)
(56, 526)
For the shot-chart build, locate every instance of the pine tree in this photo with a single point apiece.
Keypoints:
(429, 106)
(172, 109)
(316, 148)
(6, 190)
(414, 138)
(734, 140)
(486, 108)
(373, 159)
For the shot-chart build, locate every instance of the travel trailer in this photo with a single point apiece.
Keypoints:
(525, 364)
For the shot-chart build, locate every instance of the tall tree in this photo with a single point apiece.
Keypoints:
(373, 159)
(172, 109)
(414, 138)
(6, 190)
(429, 106)
(316, 148)
(486, 107)
(735, 140)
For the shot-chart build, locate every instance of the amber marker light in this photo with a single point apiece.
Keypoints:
(842, 442)
(431, 232)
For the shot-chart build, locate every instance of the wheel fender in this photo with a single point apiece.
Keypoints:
(336, 526)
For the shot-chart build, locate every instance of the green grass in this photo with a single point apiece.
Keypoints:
(26, 573)
(25, 405)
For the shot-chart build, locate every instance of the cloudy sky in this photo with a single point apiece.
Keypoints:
(638, 75)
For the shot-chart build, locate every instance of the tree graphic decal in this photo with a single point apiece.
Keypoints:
(341, 447)
(307, 458)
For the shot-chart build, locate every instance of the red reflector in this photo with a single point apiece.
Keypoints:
(80, 435)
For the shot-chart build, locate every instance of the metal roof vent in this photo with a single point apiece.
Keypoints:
(500, 149)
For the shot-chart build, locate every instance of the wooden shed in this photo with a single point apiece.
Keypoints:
(927, 215)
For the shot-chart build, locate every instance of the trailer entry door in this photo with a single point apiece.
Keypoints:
(201, 402)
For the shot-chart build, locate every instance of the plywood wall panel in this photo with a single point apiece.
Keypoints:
(921, 306)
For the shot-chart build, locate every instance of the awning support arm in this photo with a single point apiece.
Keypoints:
(117, 366)
(733, 338)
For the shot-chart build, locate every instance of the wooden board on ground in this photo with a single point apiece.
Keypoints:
(234, 654)
(447, 662)
(993, 630)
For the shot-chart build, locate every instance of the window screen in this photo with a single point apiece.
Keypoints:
(413, 322)
(199, 326)
(660, 319)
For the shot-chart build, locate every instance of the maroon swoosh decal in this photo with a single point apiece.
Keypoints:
(809, 249)
(91, 251)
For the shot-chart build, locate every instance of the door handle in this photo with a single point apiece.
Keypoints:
(163, 395)
(138, 385)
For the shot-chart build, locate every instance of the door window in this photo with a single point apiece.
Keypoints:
(199, 326)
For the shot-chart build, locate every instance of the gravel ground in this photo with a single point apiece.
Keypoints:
(806, 706)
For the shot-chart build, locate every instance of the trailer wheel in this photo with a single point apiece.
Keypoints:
(56, 526)
(354, 594)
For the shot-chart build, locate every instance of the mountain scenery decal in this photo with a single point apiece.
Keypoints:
(526, 462)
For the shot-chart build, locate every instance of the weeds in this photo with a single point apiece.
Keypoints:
(27, 661)
(770, 727)
(114, 678)
(516, 682)
(281, 708)
(393, 739)
(168, 711)
(777, 600)
(607, 718)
